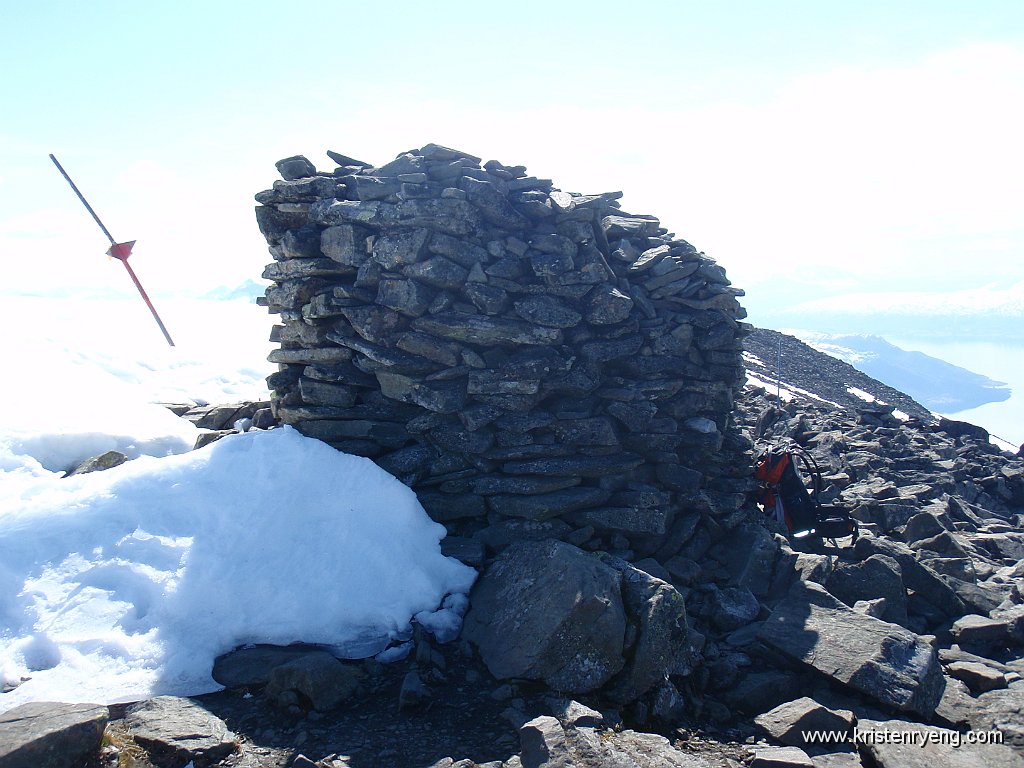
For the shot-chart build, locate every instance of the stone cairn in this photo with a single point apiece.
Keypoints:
(532, 362)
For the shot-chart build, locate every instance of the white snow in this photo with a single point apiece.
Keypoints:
(867, 397)
(786, 392)
(127, 583)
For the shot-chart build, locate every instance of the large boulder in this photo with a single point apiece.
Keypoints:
(665, 645)
(546, 610)
(883, 660)
(50, 735)
(877, 576)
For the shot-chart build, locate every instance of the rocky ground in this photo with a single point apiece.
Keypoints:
(917, 628)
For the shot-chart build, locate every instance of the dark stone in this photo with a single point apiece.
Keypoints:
(487, 298)
(547, 611)
(486, 330)
(525, 485)
(251, 667)
(606, 305)
(550, 264)
(665, 644)
(542, 506)
(629, 520)
(295, 167)
(345, 244)
(594, 431)
(963, 429)
(445, 507)
(547, 310)
(594, 466)
(492, 204)
(405, 296)
(438, 272)
(375, 324)
(399, 249)
(878, 576)
(500, 535)
(430, 347)
(322, 680)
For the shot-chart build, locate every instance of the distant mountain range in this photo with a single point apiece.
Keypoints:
(249, 289)
(936, 384)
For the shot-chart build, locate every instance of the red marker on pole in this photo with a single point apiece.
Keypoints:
(120, 251)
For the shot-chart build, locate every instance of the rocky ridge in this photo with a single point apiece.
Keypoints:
(917, 628)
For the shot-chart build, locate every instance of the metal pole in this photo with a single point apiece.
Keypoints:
(778, 381)
(120, 251)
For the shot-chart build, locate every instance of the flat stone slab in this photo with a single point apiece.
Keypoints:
(885, 661)
(252, 666)
(175, 731)
(788, 722)
(899, 744)
(45, 734)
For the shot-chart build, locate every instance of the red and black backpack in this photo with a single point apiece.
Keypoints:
(784, 495)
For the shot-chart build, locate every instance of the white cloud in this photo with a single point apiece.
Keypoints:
(989, 300)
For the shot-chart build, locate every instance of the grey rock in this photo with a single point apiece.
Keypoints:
(788, 722)
(980, 632)
(438, 272)
(407, 297)
(51, 735)
(607, 305)
(1003, 711)
(547, 611)
(978, 677)
(877, 576)
(469, 551)
(573, 714)
(875, 608)
(548, 311)
(733, 607)
(918, 577)
(250, 667)
(498, 536)
(486, 330)
(665, 644)
(781, 757)
(413, 693)
(760, 691)
(543, 506)
(629, 749)
(175, 731)
(544, 745)
(323, 680)
(882, 660)
(99, 463)
(922, 526)
(296, 167)
(941, 747)
(629, 520)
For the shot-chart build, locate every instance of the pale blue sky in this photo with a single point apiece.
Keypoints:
(852, 144)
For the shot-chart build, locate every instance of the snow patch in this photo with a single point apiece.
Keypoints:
(127, 583)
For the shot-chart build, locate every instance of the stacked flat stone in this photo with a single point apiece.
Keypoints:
(511, 351)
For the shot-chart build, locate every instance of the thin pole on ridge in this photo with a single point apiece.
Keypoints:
(778, 370)
(119, 251)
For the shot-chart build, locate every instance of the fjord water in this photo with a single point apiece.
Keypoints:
(1002, 360)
